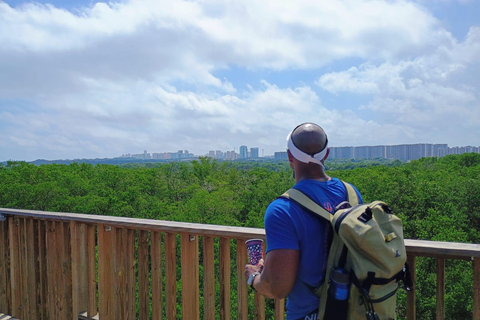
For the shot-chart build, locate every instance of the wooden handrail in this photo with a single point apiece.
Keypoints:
(60, 265)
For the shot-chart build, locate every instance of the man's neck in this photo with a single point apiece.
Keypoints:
(322, 177)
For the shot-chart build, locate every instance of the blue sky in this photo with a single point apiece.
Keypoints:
(87, 79)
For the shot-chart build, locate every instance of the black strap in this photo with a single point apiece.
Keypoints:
(371, 280)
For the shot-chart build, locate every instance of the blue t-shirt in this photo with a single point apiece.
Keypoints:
(288, 226)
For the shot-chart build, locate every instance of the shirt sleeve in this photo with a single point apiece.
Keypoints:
(279, 227)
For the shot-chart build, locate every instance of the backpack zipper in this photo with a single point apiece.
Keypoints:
(342, 216)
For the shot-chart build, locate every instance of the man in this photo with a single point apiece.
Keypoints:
(298, 241)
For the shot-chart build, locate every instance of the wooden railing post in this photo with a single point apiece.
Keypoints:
(106, 240)
(190, 277)
(224, 279)
(171, 275)
(4, 267)
(440, 289)
(279, 309)
(15, 267)
(411, 296)
(156, 262)
(242, 288)
(42, 269)
(143, 275)
(208, 279)
(476, 288)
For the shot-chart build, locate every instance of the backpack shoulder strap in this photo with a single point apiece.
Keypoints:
(303, 200)
(352, 194)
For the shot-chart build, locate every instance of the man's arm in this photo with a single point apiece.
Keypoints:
(278, 274)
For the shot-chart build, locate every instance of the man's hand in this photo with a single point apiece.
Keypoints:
(277, 273)
(251, 269)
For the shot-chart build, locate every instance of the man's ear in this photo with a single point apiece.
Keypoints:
(290, 156)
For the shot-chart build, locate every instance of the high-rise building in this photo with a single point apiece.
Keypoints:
(243, 152)
(281, 155)
(253, 152)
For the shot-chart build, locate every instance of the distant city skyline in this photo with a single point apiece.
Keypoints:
(404, 152)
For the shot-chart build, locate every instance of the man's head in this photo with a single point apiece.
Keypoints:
(308, 143)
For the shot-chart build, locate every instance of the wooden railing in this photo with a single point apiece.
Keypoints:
(78, 266)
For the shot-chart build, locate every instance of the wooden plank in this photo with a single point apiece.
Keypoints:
(170, 276)
(417, 247)
(143, 275)
(42, 290)
(119, 276)
(156, 270)
(225, 279)
(279, 309)
(190, 277)
(106, 237)
(91, 271)
(476, 289)
(411, 296)
(51, 272)
(125, 299)
(148, 224)
(23, 268)
(242, 287)
(4, 267)
(440, 313)
(78, 293)
(208, 279)
(131, 274)
(15, 266)
(64, 269)
(259, 302)
(31, 269)
(451, 250)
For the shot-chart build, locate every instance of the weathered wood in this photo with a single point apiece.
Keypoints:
(23, 269)
(106, 241)
(145, 224)
(452, 250)
(411, 296)
(123, 302)
(260, 300)
(143, 275)
(91, 271)
(440, 289)
(31, 269)
(224, 261)
(42, 290)
(51, 272)
(4, 267)
(49, 256)
(259, 306)
(156, 270)
(15, 267)
(190, 277)
(279, 309)
(476, 289)
(242, 287)
(79, 275)
(170, 276)
(208, 279)
(64, 269)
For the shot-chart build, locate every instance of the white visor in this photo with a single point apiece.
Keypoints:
(304, 157)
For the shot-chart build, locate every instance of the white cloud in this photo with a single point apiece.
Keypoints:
(142, 74)
(426, 95)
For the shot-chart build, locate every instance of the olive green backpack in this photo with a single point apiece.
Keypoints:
(368, 244)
